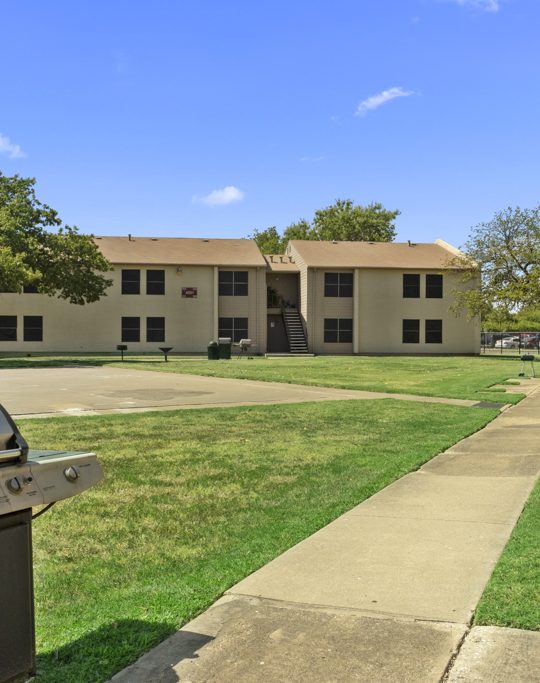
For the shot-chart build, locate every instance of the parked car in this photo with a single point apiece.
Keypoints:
(530, 341)
(507, 343)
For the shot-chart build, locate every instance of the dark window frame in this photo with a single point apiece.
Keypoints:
(131, 283)
(32, 329)
(433, 331)
(338, 330)
(155, 331)
(410, 331)
(155, 282)
(236, 328)
(8, 328)
(338, 284)
(434, 286)
(131, 332)
(233, 283)
(411, 285)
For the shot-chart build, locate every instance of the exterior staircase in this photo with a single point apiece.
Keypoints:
(295, 331)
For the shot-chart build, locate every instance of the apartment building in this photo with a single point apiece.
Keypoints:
(318, 297)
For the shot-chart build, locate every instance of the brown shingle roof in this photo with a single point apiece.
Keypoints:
(180, 251)
(318, 254)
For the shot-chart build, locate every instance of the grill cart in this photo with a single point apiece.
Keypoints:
(28, 478)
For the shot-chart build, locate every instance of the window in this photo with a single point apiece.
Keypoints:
(411, 286)
(411, 331)
(338, 284)
(233, 283)
(235, 328)
(433, 331)
(434, 287)
(155, 329)
(131, 281)
(338, 330)
(8, 328)
(155, 282)
(30, 289)
(131, 329)
(33, 328)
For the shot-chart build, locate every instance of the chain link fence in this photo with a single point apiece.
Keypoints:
(510, 343)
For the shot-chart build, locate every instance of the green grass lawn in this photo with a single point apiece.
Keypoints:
(193, 501)
(447, 376)
(512, 596)
(454, 377)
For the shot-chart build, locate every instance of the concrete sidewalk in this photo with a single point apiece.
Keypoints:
(384, 593)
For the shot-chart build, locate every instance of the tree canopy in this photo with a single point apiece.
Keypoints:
(37, 250)
(504, 254)
(343, 221)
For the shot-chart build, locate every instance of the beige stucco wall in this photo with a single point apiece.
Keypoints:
(378, 309)
(382, 309)
(189, 323)
(252, 307)
(327, 307)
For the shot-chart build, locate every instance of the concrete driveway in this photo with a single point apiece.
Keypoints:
(42, 392)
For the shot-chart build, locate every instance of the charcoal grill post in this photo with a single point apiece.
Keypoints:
(166, 350)
(527, 358)
(122, 348)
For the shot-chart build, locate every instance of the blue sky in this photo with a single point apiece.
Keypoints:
(209, 118)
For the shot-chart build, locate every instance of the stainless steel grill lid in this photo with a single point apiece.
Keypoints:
(13, 446)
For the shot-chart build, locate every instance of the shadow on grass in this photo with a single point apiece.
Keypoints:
(98, 655)
(36, 363)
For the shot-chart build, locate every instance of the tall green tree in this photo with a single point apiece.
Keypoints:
(37, 249)
(269, 241)
(503, 256)
(343, 221)
(346, 221)
(301, 230)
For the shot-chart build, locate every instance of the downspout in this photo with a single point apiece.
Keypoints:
(216, 303)
(312, 316)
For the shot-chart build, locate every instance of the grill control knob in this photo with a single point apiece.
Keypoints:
(15, 484)
(71, 473)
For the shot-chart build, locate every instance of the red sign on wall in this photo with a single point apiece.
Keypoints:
(189, 292)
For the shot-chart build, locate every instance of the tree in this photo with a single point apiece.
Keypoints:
(301, 230)
(503, 255)
(343, 221)
(269, 241)
(58, 262)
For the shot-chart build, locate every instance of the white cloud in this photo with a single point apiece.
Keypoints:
(376, 101)
(226, 195)
(485, 5)
(311, 160)
(9, 148)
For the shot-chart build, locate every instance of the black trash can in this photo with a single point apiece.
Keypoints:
(213, 351)
(224, 344)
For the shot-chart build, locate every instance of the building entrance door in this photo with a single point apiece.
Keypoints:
(276, 336)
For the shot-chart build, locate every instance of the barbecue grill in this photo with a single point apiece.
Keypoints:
(28, 478)
(244, 345)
